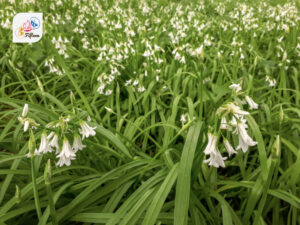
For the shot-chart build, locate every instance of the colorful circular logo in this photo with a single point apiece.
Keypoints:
(35, 22)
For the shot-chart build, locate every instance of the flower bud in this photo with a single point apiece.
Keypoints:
(25, 110)
(18, 194)
(47, 173)
(40, 85)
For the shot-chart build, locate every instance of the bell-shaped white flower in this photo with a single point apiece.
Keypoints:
(77, 143)
(224, 125)
(236, 87)
(25, 110)
(44, 146)
(63, 160)
(231, 108)
(216, 159)
(86, 130)
(66, 154)
(212, 144)
(229, 147)
(54, 142)
(251, 103)
(244, 139)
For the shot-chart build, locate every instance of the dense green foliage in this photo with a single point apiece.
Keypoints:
(150, 76)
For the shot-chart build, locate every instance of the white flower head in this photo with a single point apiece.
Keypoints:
(224, 125)
(183, 118)
(251, 103)
(66, 154)
(25, 110)
(231, 108)
(54, 142)
(26, 125)
(216, 160)
(44, 146)
(36, 152)
(244, 139)
(212, 144)
(86, 130)
(229, 148)
(77, 143)
(235, 87)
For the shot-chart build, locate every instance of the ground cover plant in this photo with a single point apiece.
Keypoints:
(151, 112)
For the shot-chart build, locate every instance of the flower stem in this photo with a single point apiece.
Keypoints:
(35, 191)
(51, 203)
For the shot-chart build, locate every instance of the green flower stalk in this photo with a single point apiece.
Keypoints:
(47, 178)
(31, 146)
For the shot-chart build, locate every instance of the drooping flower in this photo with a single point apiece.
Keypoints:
(54, 141)
(25, 110)
(224, 125)
(235, 87)
(44, 146)
(244, 139)
(26, 125)
(216, 159)
(66, 154)
(86, 130)
(251, 103)
(231, 108)
(229, 147)
(212, 144)
(77, 143)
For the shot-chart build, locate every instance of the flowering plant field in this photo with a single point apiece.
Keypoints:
(151, 112)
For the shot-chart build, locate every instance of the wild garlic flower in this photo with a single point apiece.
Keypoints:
(66, 155)
(244, 139)
(229, 148)
(235, 87)
(212, 144)
(216, 159)
(77, 143)
(86, 130)
(231, 108)
(25, 110)
(54, 142)
(251, 103)
(44, 146)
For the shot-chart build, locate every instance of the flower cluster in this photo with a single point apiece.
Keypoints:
(233, 122)
(62, 134)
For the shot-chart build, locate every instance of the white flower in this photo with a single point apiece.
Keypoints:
(244, 139)
(232, 108)
(44, 146)
(183, 118)
(54, 143)
(216, 159)
(251, 103)
(272, 82)
(236, 87)
(36, 152)
(63, 160)
(86, 130)
(66, 155)
(224, 124)
(229, 148)
(77, 144)
(212, 144)
(26, 125)
(141, 89)
(25, 110)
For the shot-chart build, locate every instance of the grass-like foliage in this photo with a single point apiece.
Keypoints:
(151, 112)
